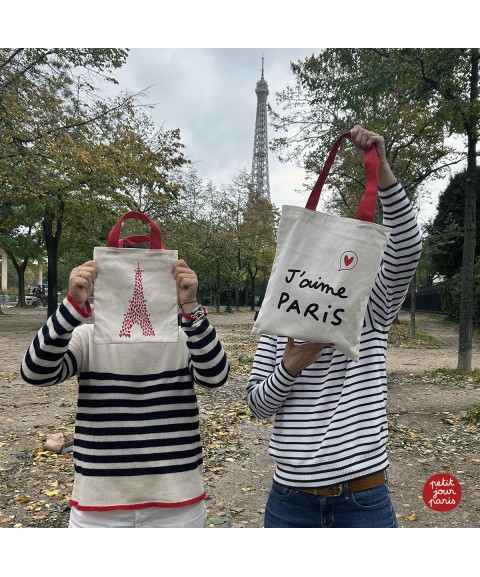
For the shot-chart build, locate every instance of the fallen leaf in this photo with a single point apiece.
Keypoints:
(52, 493)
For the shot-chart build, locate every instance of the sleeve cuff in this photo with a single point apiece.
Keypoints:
(287, 373)
(391, 187)
(86, 312)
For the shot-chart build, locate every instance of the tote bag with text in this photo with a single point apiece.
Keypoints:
(324, 268)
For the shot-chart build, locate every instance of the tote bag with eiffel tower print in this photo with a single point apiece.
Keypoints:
(135, 294)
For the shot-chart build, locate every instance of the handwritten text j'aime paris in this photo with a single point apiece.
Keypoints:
(312, 309)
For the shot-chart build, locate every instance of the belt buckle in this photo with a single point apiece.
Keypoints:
(339, 489)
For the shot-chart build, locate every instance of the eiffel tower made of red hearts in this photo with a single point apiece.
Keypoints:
(137, 313)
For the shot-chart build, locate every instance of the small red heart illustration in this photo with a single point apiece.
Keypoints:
(347, 260)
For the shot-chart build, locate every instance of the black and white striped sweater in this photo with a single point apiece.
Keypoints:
(331, 419)
(137, 438)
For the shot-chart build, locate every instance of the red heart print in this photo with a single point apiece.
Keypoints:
(348, 260)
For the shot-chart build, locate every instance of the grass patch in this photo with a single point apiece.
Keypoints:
(451, 374)
(399, 336)
(472, 416)
(456, 326)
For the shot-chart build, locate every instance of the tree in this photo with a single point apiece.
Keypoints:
(417, 98)
(226, 234)
(446, 231)
(189, 226)
(40, 103)
(258, 234)
(426, 272)
(340, 88)
(76, 159)
(247, 225)
(22, 242)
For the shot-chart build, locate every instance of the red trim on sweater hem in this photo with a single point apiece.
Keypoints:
(138, 505)
(78, 308)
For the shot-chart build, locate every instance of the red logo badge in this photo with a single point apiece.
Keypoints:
(442, 492)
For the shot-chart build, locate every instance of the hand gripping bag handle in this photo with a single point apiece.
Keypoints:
(366, 208)
(155, 238)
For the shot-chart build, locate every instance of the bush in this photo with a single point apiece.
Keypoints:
(472, 416)
(451, 292)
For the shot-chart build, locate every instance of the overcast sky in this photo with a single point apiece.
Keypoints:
(210, 95)
(204, 65)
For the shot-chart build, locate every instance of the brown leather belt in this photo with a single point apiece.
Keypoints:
(355, 485)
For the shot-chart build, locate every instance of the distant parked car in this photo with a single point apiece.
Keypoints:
(33, 300)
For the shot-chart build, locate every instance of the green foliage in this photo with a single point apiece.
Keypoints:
(426, 270)
(444, 374)
(472, 416)
(450, 295)
(221, 232)
(446, 232)
(399, 93)
(71, 163)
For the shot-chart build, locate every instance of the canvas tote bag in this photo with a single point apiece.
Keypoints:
(324, 268)
(135, 295)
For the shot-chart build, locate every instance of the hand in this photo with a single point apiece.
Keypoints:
(80, 282)
(297, 357)
(364, 140)
(187, 284)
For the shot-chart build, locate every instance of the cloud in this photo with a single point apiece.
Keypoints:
(209, 94)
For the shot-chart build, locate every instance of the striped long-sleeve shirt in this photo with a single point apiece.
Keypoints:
(331, 419)
(137, 439)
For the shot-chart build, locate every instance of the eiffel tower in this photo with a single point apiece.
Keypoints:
(260, 146)
(137, 313)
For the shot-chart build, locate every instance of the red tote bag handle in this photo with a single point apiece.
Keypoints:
(155, 238)
(366, 208)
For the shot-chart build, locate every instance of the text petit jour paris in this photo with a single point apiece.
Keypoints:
(444, 493)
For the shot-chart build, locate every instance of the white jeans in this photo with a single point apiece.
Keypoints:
(190, 516)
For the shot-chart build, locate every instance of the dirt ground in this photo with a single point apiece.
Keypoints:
(427, 433)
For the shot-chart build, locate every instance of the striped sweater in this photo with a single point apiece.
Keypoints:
(331, 419)
(137, 439)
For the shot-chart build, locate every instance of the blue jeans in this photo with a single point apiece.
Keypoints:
(289, 508)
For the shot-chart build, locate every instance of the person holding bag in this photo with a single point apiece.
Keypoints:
(137, 445)
(330, 432)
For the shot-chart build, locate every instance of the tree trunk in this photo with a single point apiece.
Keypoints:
(252, 287)
(413, 305)
(465, 336)
(20, 270)
(52, 240)
(217, 288)
(237, 295)
(238, 280)
(52, 255)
